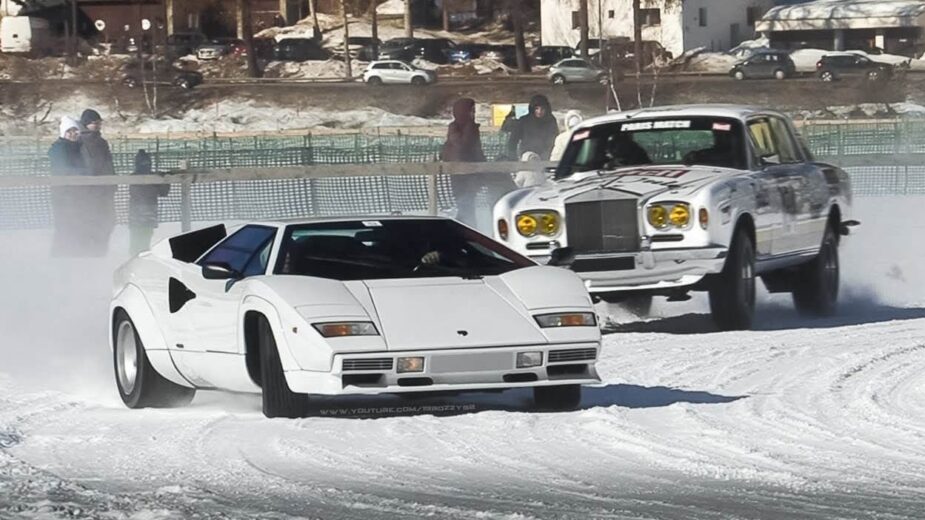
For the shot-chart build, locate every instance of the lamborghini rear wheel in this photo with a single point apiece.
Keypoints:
(140, 386)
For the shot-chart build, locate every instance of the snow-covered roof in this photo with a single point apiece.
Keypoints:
(843, 14)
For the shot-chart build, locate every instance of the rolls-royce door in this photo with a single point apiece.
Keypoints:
(783, 166)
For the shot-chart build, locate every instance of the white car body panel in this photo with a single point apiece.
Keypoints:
(454, 322)
(790, 205)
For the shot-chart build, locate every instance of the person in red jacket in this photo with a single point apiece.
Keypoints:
(464, 144)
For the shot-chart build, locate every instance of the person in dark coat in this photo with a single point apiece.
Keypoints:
(464, 144)
(67, 202)
(534, 132)
(98, 159)
(142, 206)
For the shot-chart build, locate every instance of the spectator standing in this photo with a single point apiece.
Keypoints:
(67, 205)
(572, 119)
(142, 206)
(98, 159)
(534, 132)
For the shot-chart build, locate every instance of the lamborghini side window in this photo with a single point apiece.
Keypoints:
(245, 251)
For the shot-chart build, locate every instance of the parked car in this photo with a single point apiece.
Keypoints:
(668, 200)
(764, 64)
(299, 49)
(363, 48)
(552, 54)
(506, 54)
(575, 70)
(348, 306)
(27, 35)
(833, 67)
(434, 50)
(131, 75)
(397, 72)
(184, 43)
(219, 47)
(397, 49)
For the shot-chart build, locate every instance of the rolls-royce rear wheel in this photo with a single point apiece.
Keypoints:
(732, 293)
(816, 290)
(140, 386)
(278, 399)
(557, 398)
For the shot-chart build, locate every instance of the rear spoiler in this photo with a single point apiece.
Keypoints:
(188, 247)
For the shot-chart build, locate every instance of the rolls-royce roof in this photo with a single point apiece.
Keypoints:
(709, 110)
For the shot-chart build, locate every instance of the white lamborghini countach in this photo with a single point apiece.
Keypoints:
(333, 306)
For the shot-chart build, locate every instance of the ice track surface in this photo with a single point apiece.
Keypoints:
(798, 419)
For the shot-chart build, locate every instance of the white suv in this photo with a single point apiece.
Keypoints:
(393, 71)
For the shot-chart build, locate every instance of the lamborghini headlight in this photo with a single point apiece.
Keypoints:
(538, 223)
(567, 319)
(349, 328)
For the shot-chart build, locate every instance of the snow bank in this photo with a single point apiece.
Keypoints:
(699, 60)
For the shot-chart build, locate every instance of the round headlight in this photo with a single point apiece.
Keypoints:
(549, 223)
(526, 225)
(680, 215)
(658, 216)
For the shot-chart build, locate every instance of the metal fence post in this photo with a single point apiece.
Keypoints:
(186, 204)
(432, 204)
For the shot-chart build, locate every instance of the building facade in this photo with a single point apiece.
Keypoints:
(678, 25)
(895, 26)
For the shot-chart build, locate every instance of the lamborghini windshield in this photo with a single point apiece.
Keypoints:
(399, 248)
(709, 141)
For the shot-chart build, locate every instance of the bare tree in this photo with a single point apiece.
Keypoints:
(347, 61)
(375, 28)
(248, 37)
(515, 11)
(409, 30)
(583, 26)
(446, 14)
(316, 27)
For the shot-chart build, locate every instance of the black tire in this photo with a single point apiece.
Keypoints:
(375, 81)
(780, 74)
(149, 389)
(418, 81)
(739, 75)
(557, 398)
(130, 82)
(558, 79)
(184, 83)
(278, 399)
(815, 292)
(873, 75)
(826, 76)
(639, 305)
(732, 292)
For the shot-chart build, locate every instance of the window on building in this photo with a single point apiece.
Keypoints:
(702, 14)
(611, 14)
(576, 20)
(650, 17)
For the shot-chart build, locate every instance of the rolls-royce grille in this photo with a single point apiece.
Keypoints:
(602, 226)
(577, 354)
(351, 365)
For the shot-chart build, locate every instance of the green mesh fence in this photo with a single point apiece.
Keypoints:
(262, 199)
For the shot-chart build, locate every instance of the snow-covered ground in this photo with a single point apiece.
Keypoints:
(797, 419)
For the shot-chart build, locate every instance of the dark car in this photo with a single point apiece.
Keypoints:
(299, 49)
(766, 64)
(184, 43)
(506, 54)
(397, 49)
(552, 54)
(837, 66)
(434, 50)
(363, 48)
(133, 75)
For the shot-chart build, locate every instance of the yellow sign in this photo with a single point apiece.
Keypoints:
(499, 111)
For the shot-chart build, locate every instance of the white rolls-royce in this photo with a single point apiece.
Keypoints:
(355, 306)
(664, 201)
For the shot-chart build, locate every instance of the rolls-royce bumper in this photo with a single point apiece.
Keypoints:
(646, 270)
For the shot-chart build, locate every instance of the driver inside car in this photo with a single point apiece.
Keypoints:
(622, 150)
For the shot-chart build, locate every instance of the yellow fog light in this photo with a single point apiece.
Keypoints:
(549, 223)
(658, 216)
(410, 364)
(704, 217)
(680, 215)
(526, 225)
